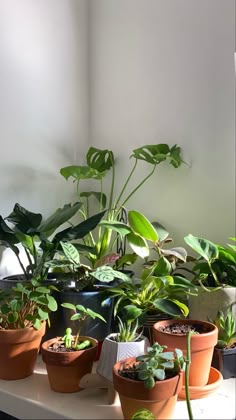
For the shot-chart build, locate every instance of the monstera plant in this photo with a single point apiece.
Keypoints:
(98, 164)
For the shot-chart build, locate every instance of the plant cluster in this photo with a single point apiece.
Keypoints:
(156, 365)
(215, 265)
(226, 324)
(98, 164)
(36, 235)
(84, 276)
(26, 305)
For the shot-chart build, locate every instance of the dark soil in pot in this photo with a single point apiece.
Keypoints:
(184, 328)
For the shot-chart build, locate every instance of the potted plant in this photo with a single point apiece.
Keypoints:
(98, 164)
(24, 310)
(159, 293)
(37, 236)
(173, 333)
(214, 271)
(224, 356)
(127, 342)
(84, 285)
(70, 357)
(151, 381)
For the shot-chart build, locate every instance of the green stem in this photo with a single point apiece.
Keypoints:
(138, 186)
(214, 275)
(112, 185)
(125, 184)
(186, 376)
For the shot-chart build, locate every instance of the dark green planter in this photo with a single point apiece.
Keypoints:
(225, 361)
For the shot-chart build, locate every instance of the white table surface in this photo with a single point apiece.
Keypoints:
(32, 398)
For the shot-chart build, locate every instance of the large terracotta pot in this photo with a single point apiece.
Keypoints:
(113, 351)
(65, 369)
(202, 347)
(160, 400)
(18, 352)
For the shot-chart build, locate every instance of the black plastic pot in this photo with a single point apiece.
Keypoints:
(91, 327)
(225, 361)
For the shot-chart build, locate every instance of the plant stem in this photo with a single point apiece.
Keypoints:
(186, 376)
(112, 185)
(138, 186)
(125, 184)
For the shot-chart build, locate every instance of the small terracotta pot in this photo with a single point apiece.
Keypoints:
(160, 400)
(65, 369)
(202, 347)
(18, 352)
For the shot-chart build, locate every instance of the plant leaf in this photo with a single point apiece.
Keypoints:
(141, 226)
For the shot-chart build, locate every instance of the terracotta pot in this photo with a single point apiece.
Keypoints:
(160, 400)
(113, 351)
(18, 352)
(202, 347)
(65, 369)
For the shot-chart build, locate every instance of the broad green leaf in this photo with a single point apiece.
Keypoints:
(52, 303)
(80, 230)
(119, 227)
(131, 312)
(161, 231)
(181, 281)
(167, 306)
(69, 306)
(37, 324)
(70, 252)
(8, 236)
(13, 317)
(138, 245)
(141, 226)
(101, 160)
(94, 315)
(160, 374)
(178, 252)
(81, 172)
(23, 219)
(58, 218)
(162, 267)
(42, 289)
(43, 315)
(206, 249)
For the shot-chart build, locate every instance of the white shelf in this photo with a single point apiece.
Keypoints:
(32, 398)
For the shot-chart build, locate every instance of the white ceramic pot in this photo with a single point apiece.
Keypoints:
(113, 351)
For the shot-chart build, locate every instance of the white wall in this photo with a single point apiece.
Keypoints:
(163, 71)
(121, 74)
(43, 101)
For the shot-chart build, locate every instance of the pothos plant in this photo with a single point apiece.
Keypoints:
(79, 316)
(159, 288)
(39, 237)
(215, 265)
(98, 164)
(26, 305)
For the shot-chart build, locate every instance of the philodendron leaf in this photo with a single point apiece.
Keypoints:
(81, 172)
(167, 306)
(101, 160)
(162, 267)
(141, 226)
(138, 245)
(58, 218)
(161, 231)
(206, 249)
(80, 230)
(23, 219)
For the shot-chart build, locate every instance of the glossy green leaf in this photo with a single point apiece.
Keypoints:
(71, 253)
(23, 219)
(138, 245)
(81, 172)
(118, 227)
(59, 217)
(167, 306)
(101, 160)
(141, 226)
(206, 249)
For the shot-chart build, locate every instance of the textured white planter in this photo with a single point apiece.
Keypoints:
(113, 351)
(207, 304)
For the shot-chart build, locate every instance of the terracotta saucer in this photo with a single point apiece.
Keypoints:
(196, 392)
